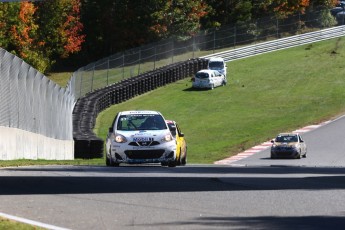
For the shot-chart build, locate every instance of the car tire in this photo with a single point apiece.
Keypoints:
(178, 160)
(299, 155)
(109, 161)
(172, 164)
(184, 159)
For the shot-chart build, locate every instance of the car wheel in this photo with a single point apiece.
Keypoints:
(109, 160)
(164, 164)
(178, 160)
(299, 155)
(184, 158)
(172, 164)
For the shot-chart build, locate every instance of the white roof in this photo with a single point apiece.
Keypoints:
(216, 59)
(206, 71)
(139, 112)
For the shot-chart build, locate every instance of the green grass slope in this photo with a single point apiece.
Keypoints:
(265, 95)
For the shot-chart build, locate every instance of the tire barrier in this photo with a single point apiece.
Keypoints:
(86, 144)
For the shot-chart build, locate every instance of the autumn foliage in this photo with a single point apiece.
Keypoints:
(72, 29)
(47, 32)
(28, 24)
(23, 32)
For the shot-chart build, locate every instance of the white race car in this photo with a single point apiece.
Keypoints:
(140, 137)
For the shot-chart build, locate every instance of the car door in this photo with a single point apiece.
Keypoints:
(218, 78)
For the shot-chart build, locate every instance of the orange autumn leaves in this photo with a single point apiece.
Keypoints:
(29, 39)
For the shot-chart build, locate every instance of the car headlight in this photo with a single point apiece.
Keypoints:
(120, 139)
(167, 138)
(294, 147)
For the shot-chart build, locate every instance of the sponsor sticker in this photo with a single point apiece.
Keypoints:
(141, 139)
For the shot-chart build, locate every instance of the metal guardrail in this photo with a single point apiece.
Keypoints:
(279, 44)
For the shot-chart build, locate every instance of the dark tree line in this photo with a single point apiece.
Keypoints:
(115, 25)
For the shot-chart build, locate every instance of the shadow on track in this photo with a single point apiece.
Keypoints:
(84, 180)
(265, 222)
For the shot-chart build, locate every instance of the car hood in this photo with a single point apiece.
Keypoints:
(155, 134)
(289, 144)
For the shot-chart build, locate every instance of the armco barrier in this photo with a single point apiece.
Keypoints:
(86, 143)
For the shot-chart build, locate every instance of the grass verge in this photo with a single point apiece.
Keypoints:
(10, 224)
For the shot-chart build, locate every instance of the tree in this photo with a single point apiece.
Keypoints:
(115, 25)
(60, 27)
(326, 4)
(179, 18)
(225, 12)
(41, 32)
(284, 8)
(23, 37)
(8, 16)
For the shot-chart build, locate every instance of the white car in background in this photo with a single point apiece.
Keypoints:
(217, 63)
(140, 137)
(208, 79)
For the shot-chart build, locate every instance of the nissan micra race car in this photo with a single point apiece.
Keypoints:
(140, 137)
(288, 145)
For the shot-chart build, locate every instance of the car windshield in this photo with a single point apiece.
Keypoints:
(141, 122)
(201, 75)
(216, 65)
(287, 138)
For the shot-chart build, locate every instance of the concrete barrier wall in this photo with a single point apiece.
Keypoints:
(35, 113)
(21, 144)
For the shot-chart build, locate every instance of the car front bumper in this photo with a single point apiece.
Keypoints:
(284, 153)
(124, 153)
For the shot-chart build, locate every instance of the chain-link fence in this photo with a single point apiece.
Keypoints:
(136, 61)
(31, 102)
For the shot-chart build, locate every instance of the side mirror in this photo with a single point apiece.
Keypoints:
(272, 141)
(181, 134)
(111, 130)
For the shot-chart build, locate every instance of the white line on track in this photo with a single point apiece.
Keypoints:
(31, 222)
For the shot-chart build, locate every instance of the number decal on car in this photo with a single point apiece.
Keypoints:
(140, 139)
